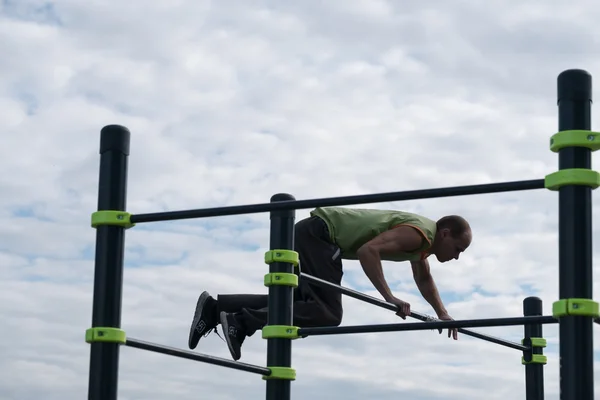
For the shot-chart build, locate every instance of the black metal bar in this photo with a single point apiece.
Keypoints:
(108, 274)
(389, 306)
(341, 201)
(421, 326)
(189, 355)
(534, 372)
(575, 240)
(279, 351)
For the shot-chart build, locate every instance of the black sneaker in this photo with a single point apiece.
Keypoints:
(205, 319)
(234, 333)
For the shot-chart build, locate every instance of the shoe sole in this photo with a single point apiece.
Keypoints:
(197, 314)
(225, 329)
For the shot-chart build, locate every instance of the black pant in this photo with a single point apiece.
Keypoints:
(313, 305)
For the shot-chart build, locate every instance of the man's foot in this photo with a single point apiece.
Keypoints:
(234, 334)
(205, 319)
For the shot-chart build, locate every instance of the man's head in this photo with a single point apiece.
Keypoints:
(453, 236)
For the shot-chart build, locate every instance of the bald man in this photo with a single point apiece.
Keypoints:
(323, 240)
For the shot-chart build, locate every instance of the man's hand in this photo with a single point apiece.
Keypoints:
(453, 331)
(403, 307)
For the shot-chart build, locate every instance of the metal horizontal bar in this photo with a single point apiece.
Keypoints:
(421, 326)
(340, 201)
(171, 351)
(422, 317)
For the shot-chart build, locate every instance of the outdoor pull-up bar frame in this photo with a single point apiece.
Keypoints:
(575, 311)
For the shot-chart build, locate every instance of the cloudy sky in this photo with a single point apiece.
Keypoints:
(230, 102)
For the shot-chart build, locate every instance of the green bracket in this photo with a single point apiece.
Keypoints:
(115, 218)
(575, 307)
(280, 332)
(105, 335)
(535, 359)
(534, 342)
(286, 256)
(574, 176)
(575, 138)
(281, 278)
(281, 373)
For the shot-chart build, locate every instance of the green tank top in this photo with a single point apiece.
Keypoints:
(350, 228)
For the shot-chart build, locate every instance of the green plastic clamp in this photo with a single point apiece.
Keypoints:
(535, 359)
(575, 307)
(574, 176)
(281, 278)
(281, 373)
(575, 138)
(280, 332)
(115, 218)
(105, 335)
(287, 256)
(534, 342)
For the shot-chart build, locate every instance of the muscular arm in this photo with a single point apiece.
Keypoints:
(400, 239)
(427, 287)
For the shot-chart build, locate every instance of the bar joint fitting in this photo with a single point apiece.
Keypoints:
(285, 256)
(575, 307)
(281, 373)
(105, 335)
(280, 332)
(281, 278)
(575, 138)
(535, 359)
(534, 342)
(114, 218)
(572, 176)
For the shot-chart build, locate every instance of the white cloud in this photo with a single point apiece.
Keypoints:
(229, 103)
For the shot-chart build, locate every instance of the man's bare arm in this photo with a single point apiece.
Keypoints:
(400, 239)
(427, 287)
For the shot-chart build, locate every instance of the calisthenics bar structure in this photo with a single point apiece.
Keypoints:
(574, 311)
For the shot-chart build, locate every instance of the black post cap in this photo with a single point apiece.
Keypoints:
(575, 85)
(532, 306)
(115, 138)
(282, 197)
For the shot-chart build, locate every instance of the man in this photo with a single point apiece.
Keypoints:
(322, 241)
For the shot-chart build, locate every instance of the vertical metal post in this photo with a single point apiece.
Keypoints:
(534, 368)
(108, 275)
(575, 240)
(279, 350)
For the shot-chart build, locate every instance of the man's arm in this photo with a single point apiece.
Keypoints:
(400, 239)
(427, 287)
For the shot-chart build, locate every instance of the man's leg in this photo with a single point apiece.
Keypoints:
(313, 306)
